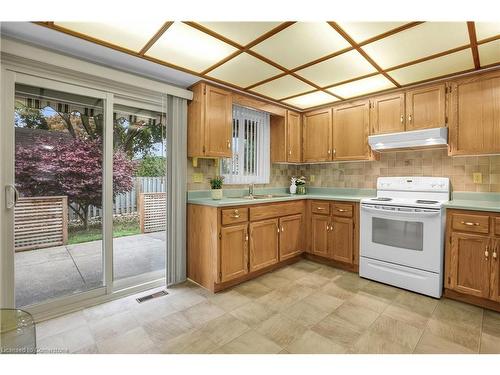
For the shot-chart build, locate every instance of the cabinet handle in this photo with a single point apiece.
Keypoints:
(409, 118)
(486, 252)
(278, 228)
(246, 237)
(334, 151)
(228, 144)
(341, 210)
(320, 208)
(329, 152)
(282, 229)
(494, 255)
(236, 216)
(402, 118)
(468, 223)
(289, 152)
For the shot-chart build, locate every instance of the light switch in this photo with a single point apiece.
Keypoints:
(477, 178)
(312, 178)
(197, 177)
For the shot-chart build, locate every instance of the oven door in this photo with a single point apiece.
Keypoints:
(402, 235)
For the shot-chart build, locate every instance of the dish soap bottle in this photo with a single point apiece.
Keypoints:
(293, 187)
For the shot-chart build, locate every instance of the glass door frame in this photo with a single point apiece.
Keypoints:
(109, 289)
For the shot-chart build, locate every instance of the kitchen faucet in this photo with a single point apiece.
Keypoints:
(250, 190)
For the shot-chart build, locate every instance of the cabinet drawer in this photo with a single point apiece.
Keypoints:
(276, 210)
(471, 223)
(342, 209)
(234, 215)
(496, 226)
(320, 207)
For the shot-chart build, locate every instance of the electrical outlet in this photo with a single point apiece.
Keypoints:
(477, 178)
(197, 177)
(312, 178)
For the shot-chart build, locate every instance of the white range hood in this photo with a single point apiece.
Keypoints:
(413, 139)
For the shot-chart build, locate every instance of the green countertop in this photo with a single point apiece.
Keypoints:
(231, 196)
(475, 201)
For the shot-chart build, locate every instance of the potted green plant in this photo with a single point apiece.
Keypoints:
(216, 185)
(301, 185)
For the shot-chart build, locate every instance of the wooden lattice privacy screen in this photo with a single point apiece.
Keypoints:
(153, 212)
(40, 222)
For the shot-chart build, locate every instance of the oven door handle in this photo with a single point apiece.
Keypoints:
(396, 212)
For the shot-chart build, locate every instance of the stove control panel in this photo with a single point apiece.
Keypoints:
(434, 184)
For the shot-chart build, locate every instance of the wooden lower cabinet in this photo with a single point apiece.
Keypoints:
(472, 270)
(264, 244)
(320, 225)
(233, 252)
(341, 239)
(469, 268)
(291, 236)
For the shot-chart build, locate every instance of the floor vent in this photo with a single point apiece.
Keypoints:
(151, 296)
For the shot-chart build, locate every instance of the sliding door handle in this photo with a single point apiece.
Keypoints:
(10, 204)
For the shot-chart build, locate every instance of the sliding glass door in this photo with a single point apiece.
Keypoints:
(84, 175)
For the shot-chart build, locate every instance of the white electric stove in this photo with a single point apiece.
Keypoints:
(402, 233)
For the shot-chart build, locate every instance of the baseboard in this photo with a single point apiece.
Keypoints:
(330, 262)
(473, 300)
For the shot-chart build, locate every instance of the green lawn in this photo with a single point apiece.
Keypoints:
(79, 235)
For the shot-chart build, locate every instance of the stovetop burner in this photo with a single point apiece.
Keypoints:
(382, 199)
(424, 201)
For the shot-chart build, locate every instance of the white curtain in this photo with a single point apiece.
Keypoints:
(176, 189)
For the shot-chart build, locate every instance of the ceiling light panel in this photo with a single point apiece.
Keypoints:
(130, 35)
(283, 87)
(361, 31)
(420, 41)
(362, 86)
(300, 43)
(489, 53)
(337, 69)
(244, 70)
(187, 47)
(487, 29)
(241, 32)
(312, 99)
(448, 64)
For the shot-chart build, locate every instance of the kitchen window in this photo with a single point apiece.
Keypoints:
(250, 162)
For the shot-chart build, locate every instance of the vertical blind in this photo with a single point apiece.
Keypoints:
(250, 162)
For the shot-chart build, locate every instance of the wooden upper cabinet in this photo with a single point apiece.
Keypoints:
(278, 139)
(210, 122)
(469, 264)
(475, 115)
(320, 235)
(233, 252)
(387, 114)
(350, 131)
(426, 107)
(263, 244)
(318, 135)
(291, 236)
(294, 137)
(342, 239)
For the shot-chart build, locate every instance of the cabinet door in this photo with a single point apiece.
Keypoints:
(278, 139)
(495, 271)
(291, 236)
(342, 239)
(263, 244)
(294, 137)
(475, 116)
(470, 267)
(387, 114)
(350, 131)
(318, 135)
(425, 108)
(320, 234)
(233, 252)
(218, 122)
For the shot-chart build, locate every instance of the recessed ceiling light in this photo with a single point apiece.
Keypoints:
(489, 53)
(241, 32)
(362, 86)
(312, 99)
(283, 87)
(361, 31)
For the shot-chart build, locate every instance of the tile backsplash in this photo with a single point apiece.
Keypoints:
(364, 174)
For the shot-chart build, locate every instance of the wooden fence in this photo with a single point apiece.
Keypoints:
(40, 222)
(153, 212)
(126, 203)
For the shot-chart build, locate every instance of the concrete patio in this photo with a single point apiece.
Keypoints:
(65, 270)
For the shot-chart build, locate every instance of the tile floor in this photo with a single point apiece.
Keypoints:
(303, 308)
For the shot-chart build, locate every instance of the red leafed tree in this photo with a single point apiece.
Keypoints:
(72, 167)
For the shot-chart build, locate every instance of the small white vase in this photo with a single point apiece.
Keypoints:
(293, 188)
(216, 194)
